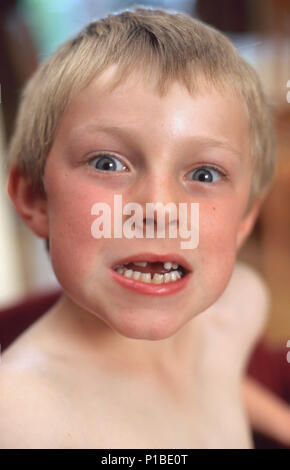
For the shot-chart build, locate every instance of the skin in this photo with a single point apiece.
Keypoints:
(98, 326)
(268, 413)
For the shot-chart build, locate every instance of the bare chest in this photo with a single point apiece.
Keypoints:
(132, 418)
(63, 410)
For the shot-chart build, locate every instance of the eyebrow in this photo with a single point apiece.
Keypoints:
(127, 132)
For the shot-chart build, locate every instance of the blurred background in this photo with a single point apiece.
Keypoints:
(31, 29)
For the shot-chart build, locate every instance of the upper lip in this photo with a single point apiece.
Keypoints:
(153, 257)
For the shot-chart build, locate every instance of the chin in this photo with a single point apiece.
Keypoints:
(145, 325)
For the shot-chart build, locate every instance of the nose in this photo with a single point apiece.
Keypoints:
(159, 197)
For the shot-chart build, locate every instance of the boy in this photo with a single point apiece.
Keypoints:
(141, 350)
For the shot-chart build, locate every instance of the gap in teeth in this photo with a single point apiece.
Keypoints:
(172, 276)
(167, 265)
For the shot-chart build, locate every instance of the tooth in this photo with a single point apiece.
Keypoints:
(173, 275)
(166, 277)
(141, 263)
(136, 275)
(128, 273)
(167, 265)
(175, 265)
(157, 278)
(145, 277)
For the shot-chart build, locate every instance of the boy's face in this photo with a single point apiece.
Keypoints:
(163, 142)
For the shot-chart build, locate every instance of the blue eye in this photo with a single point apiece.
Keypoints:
(107, 163)
(206, 175)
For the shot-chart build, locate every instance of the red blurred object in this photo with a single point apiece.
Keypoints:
(16, 318)
(267, 364)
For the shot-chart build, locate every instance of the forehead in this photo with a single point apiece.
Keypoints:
(136, 105)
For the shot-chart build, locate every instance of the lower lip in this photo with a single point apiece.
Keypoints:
(151, 289)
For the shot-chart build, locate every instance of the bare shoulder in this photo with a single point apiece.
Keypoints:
(246, 294)
(238, 318)
(247, 302)
(250, 295)
(30, 407)
(247, 279)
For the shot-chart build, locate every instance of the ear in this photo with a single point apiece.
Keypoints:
(248, 222)
(31, 205)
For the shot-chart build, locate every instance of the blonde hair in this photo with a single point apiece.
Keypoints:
(166, 46)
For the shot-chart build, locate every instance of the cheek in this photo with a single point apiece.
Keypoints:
(219, 224)
(216, 253)
(217, 239)
(71, 242)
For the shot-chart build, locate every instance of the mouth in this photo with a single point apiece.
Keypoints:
(153, 274)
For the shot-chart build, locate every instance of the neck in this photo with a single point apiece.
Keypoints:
(89, 339)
